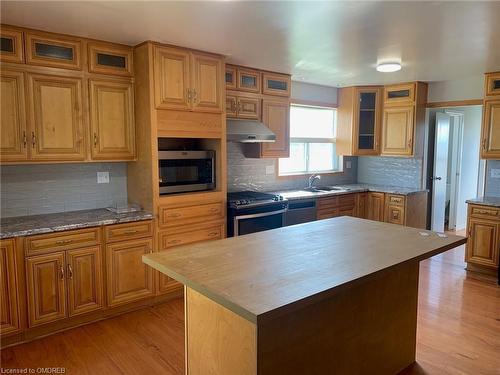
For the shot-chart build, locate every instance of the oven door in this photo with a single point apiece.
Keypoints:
(251, 223)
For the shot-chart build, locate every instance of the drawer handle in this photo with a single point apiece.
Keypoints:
(172, 242)
(213, 234)
(131, 231)
(70, 271)
(61, 272)
(176, 214)
(63, 242)
(484, 212)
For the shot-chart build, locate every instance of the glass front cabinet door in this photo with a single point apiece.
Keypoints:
(367, 119)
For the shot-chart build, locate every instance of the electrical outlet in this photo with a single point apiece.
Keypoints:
(495, 173)
(269, 169)
(103, 177)
(348, 164)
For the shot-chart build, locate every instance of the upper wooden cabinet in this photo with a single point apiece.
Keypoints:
(492, 84)
(359, 121)
(112, 119)
(248, 80)
(11, 46)
(276, 84)
(185, 80)
(56, 114)
(53, 50)
(13, 132)
(399, 94)
(490, 130)
(9, 288)
(276, 116)
(108, 58)
(230, 77)
(241, 106)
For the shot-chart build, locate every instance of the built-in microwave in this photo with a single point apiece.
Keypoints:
(184, 171)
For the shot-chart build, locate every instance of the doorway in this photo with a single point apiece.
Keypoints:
(454, 170)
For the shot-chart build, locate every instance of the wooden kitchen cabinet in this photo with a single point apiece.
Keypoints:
(398, 131)
(230, 77)
(490, 131)
(106, 58)
(13, 136)
(276, 84)
(483, 243)
(9, 288)
(187, 80)
(46, 288)
(53, 50)
(375, 207)
(128, 278)
(248, 80)
(399, 94)
(243, 107)
(361, 205)
(359, 121)
(492, 84)
(56, 114)
(112, 120)
(276, 116)
(11, 48)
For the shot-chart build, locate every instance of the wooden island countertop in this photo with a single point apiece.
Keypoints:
(330, 296)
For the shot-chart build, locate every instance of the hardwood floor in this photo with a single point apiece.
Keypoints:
(458, 332)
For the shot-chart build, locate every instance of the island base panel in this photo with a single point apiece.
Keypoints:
(366, 328)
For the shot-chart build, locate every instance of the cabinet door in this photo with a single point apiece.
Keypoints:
(110, 59)
(231, 106)
(490, 133)
(45, 278)
(492, 84)
(9, 302)
(276, 116)
(59, 52)
(248, 80)
(376, 206)
(56, 114)
(483, 242)
(172, 78)
(276, 84)
(112, 120)
(11, 46)
(361, 209)
(397, 131)
(248, 108)
(230, 77)
(399, 94)
(207, 83)
(395, 215)
(84, 273)
(128, 278)
(13, 140)
(367, 125)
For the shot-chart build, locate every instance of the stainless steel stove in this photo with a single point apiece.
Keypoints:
(252, 211)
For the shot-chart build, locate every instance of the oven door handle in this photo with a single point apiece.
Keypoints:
(253, 216)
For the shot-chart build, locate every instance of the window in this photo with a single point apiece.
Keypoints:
(312, 142)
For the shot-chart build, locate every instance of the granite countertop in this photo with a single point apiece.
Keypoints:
(486, 201)
(350, 188)
(37, 224)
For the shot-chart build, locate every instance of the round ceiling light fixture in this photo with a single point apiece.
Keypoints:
(388, 67)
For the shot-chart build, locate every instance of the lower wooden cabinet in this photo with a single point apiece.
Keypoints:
(128, 278)
(361, 202)
(333, 206)
(483, 243)
(375, 207)
(9, 289)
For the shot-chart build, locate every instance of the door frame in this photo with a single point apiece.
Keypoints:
(458, 118)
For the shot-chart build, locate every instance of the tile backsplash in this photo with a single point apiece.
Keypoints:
(492, 186)
(49, 188)
(403, 172)
(250, 174)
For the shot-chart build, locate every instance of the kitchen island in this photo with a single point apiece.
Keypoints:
(331, 296)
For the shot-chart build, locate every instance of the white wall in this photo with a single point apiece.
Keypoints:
(462, 89)
(317, 93)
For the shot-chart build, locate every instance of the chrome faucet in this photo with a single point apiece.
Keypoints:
(312, 179)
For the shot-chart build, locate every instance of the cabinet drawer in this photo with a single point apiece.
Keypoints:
(110, 59)
(347, 200)
(46, 243)
(328, 202)
(47, 50)
(347, 211)
(485, 212)
(181, 236)
(398, 200)
(128, 231)
(395, 215)
(190, 214)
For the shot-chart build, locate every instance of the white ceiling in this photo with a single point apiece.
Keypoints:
(328, 43)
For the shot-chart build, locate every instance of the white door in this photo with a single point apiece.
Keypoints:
(440, 171)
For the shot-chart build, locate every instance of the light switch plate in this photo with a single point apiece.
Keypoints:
(348, 164)
(495, 173)
(269, 169)
(103, 177)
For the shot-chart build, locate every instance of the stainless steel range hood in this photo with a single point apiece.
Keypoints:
(248, 131)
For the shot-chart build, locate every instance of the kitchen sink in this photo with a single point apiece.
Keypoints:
(326, 188)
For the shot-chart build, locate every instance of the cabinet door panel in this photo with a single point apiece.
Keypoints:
(207, 83)
(230, 77)
(171, 78)
(110, 59)
(397, 131)
(483, 242)
(11, 47)
(128, 278)
(395, 215)
(249, 80)
(276, 116)
(248, 108)
(491, 130)
(367, 125)
(13, 141)
(361, 204)
(231, 106)
(112, 120)
(492, 83)
(57, 118)
(60, 52)
(376, 207)
(9, 302)
(276, 84)
(46, 288)
(85, 287)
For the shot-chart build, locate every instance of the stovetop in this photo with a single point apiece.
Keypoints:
(251, 198)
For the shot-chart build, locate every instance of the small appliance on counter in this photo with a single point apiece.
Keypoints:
(186, 171)
(251, 211)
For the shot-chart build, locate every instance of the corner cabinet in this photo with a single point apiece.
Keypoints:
(490, 130)
(276, 116)
(187, 81)
(9, 287)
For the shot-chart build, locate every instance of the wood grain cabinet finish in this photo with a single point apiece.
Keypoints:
(375, 208)
(483, 242)
(128, 278)
(399, 94)
(112, 120)
(243, 107)
(490, 131)
(207, 94)
(11, 47)
(230, 77)
(361, 205)
(276, 84)
(333, 206)
(60, 241)
(248, 80)
(492, 84)
(398, 131)
(53, 50)
(56, 114)
(276, 116)
(128, 231)
(13, 137)
(46, 288)
(188, 214)
(9, 288)
(105, 58)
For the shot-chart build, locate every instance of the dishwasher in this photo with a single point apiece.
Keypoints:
(300, 211)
